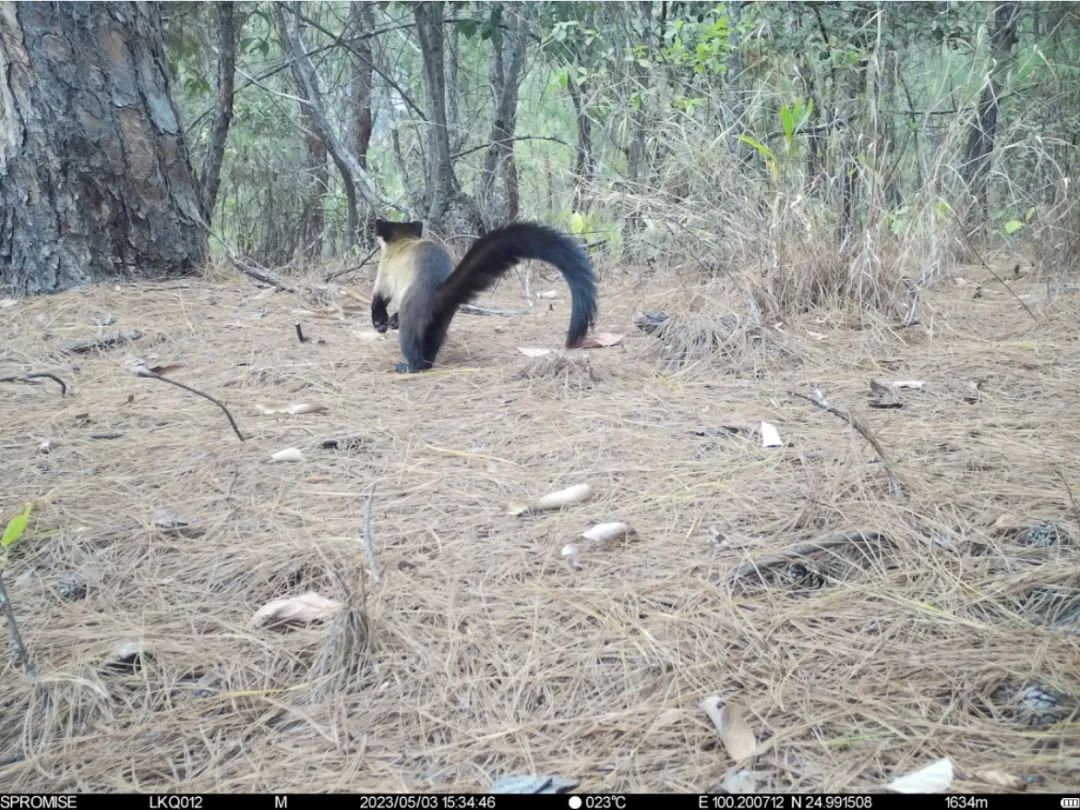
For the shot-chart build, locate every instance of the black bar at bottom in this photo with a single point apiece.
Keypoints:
(570, 800)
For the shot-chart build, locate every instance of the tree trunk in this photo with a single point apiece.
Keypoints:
(317, 176)
(364, 121)
(458, 134)
(583, 164)
(449, 210)
(508, 59)
(95, 181)
(980, 144)
(363, 18)
(219, 131)
(441, 183)
(354, 177)
(733, 78)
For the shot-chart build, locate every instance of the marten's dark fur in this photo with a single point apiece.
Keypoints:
(418, 283)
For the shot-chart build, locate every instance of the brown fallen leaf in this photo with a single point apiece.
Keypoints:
(600, 340)
(1001, 779)
(883, 395)
(734, 732)
(296, 610)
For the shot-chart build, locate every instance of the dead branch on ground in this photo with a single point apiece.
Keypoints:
(819, 400)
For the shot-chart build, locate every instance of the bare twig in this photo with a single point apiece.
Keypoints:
(819, 400)
(29, 378)
(300, 333)
(255, 271)
(1072, 500)
(20, 647)
(472, 149)
(103, 342)
(990, 270)
(473, 309)
(367, 259)
(369, 542)
(140, 370)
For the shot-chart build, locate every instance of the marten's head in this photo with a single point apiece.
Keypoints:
(388, 232)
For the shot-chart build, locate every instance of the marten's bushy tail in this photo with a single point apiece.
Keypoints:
(496, 252)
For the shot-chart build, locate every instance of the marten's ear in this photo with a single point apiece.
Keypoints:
(383, 228)
(416, 228)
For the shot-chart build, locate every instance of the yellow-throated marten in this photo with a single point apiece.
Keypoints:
(419, 284)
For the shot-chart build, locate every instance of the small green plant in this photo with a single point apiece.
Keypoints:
(12, 533)
(793, 117)
(1014, 226)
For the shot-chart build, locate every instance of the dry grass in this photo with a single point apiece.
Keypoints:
(479, 653)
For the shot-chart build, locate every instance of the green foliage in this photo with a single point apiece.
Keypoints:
(793, 117)
(15, 527)
(885, 95)
(703, 46)
(580, 223)
(771, 163)
(13, 532)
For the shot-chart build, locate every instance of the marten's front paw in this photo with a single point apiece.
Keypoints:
(403, 368)
(394, 321)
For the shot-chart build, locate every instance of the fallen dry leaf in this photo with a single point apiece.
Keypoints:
(934, 778)
(600, 340)
(603, 533)
(530, 351)
(295, 610)
(293, 408)
(553, 500)
(734, 733)
(288, 454)
(1001, 779)
(883, 395)
(369, 334)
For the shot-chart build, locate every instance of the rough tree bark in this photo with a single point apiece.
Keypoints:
(210, 180)
(441, 182)
(446, 203)
(363, 19)
(318, 175)
(95, 181)
(363, 23)
(458, 134)
(507, 61)
(980, 144)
